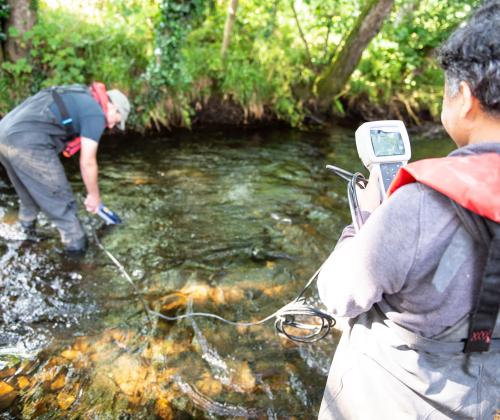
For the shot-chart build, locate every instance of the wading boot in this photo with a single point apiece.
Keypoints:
(76, 248)
(29, 229)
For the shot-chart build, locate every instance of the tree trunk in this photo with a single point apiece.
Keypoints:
(333, 79)
(22, 18)
(228, 28)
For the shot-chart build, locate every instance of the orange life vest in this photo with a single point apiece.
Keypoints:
(471, 181)
(98, 91)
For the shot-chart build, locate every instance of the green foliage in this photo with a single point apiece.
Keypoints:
(166, 76)
(272, 66)
(176, 20)
(166, 55)
(67, 48)
(399, 65)
(4, 15)
(14, 83)
(258, 73)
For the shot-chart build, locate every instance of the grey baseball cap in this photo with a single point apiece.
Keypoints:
(122, 103)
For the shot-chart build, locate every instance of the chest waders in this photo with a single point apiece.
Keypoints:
(30, 140)
(384, 371)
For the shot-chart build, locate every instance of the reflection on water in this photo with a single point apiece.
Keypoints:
(232, 224)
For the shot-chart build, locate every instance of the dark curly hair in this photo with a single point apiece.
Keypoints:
(472, 55)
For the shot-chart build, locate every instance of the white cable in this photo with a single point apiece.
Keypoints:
(284, 316)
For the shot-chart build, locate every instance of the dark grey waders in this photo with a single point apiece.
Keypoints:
(30, 140)
(384, 371)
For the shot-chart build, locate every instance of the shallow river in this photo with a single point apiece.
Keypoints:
(228, 223)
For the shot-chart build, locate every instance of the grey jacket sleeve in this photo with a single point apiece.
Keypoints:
(377, 260)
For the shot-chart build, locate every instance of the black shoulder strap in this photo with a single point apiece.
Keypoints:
(485, 313)
(66, 119)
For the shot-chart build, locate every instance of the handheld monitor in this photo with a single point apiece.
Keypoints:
(383, 146)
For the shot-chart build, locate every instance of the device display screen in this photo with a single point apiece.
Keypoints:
(386, 142)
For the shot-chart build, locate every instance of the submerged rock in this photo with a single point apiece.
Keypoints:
(258, 254)
(172, 303)
(7, 395)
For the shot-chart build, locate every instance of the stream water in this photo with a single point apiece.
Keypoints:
(221, 222)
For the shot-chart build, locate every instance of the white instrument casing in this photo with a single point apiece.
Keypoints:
(390, 163)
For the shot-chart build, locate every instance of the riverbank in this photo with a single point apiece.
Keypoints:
(230, 117)
(218, 113)
(168, 60)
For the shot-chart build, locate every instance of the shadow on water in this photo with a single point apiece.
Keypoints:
(232, 224)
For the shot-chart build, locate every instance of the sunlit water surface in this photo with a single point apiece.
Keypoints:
(232, 224)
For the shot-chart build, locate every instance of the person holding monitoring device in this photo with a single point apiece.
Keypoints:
(420, 281)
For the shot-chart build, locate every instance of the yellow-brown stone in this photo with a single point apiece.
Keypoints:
(163, 409)
(243, 377)
(274, 291)
(58, 383)
(71, 354)
(129, 375)
(5, 373)
(233, 294)
(270, 265)
(23, 382)
(65, 400)
(199, 293)
(209, 386)
(173, 302)
(217, 295)
(7, 395)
